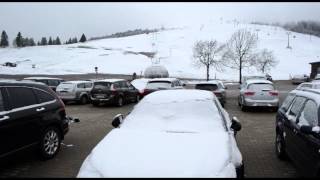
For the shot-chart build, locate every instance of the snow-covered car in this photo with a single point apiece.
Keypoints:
(169, 133)
(214, 86)
(298, 79)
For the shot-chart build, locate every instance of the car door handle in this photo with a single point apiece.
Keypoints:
(40, 109)
(4, 118)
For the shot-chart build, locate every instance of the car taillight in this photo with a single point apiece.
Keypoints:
(273, 93)
(249, 93)
(217, 93)
(113, 90)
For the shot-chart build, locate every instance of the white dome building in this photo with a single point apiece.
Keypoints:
(156, 71)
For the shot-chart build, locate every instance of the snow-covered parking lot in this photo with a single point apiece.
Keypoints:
(255, 140)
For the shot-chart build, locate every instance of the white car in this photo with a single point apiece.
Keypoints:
(169, 133)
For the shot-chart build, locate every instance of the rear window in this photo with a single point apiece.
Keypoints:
(260, 87)
(54, 82)
(102, 85)
(209, 87)
(43, 96)
(42, 81)
(158, 85)
(65, 86)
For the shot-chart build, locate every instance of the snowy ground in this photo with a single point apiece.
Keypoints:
(173, 47)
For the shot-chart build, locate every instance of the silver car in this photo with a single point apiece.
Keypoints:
(216, 87)
(75, 91)
(258, 92)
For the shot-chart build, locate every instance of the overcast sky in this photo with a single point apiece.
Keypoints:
(97, 19)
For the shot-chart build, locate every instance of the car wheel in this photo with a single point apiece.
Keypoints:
(280, 148)
(50, 143)
(120, 102)
(84, 100)
(240, 171)
(243, 107)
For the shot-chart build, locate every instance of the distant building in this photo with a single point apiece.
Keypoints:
(156, 71)
(315, 69)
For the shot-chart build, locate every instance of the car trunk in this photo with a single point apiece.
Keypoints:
(66, 90)
(261, 91)
(156, 86)
(210, 87)
(101, 90)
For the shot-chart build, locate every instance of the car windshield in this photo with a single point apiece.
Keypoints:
(209, 87)
(158, 85)
(102, 85)
(260, 87)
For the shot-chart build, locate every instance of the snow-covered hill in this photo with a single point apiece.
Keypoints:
(174, 48)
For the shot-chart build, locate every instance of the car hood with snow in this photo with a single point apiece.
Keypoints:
(170, 133)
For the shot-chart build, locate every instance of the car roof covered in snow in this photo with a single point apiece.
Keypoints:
(110, 80)
(163, 79)
(27, 78)
(254, 81)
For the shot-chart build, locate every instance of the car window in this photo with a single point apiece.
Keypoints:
(53, 82)
(20, 97)
(124, 84)
(209, 87)
(42, 81)
(88, 85)
(309, 115)
(43, 96)
(158, 85)
(1, 102)
(80, 85)
(102, 85)
(287, 102)
(116, 85)
(260, 86)
(296, 106)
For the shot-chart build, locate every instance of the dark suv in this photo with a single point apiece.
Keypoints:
(31, 115)
(298, 132)
(114, 91)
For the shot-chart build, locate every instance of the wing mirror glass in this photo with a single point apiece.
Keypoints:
(235, 124)
(117, 120)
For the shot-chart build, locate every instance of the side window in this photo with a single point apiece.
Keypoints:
(43, 96)
(297, 106)
(88, 85)
(309, 115)
(20, 97)
(124, 85)
(1, 102)
(287, 102)
(80, 85)
(116, 85)
(53, 82)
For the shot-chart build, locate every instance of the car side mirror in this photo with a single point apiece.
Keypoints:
(117, 120)
(235, 124)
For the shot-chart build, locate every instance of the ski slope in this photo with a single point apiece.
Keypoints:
(172, 47)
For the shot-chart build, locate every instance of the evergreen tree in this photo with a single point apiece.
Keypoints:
(4, 42)
(25, 42)
(58, 42)
(44, 41)
(31, 42)
(50, 41)
(19, 40)
(75, 40)
(83, 38)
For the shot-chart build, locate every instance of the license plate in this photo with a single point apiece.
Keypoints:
(100, 96)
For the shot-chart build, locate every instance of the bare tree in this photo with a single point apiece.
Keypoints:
(265, 61)
(206, 54)
(240, 51)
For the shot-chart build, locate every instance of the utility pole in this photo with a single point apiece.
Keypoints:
(96, 70)
(288, 46)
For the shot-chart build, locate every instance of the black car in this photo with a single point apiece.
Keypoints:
(298, 132)
(113, 91)
(51, 82)
(31, 115)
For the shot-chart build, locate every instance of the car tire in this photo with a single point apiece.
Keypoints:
(240, 171)
(50, 143)
(120, 101)
(280, 147)
(84, 100)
